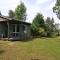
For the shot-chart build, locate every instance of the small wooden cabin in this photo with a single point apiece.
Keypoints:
(14, 29)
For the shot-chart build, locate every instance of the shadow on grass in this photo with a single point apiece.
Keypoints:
(22, 40)
(2, 51)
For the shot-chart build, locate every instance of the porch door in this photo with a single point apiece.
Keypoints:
(15, 29)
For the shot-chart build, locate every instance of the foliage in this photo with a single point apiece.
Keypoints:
(38, 21)
(11, 14)
(38, 24)
(56, 8)
(43, 28)
(20, 12)
(0, 13)
(57, 29)
(49, 26)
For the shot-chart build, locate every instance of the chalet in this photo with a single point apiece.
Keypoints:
(14, 29)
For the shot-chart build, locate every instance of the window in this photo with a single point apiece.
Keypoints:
(13, 28)
(23, 28)
(17, 28)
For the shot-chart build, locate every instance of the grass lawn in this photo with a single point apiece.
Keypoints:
(36, 49)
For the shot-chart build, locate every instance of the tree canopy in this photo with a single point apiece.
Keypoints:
(56, 8)
(11, 14)
(0, 13)
(20, 12)
(38, 21)
(49, 24)
(38, 24)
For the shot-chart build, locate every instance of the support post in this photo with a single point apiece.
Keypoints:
(8, 29)
(15, 29)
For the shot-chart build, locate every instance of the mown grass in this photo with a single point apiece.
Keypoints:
(36, 49)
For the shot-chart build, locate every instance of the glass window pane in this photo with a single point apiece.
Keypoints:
(17, 28)
(13, 28)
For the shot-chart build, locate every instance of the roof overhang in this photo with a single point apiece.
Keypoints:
(5, 18)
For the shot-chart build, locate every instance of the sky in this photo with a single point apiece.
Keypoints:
(33, 7)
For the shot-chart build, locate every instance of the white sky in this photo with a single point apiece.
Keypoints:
(33, 7)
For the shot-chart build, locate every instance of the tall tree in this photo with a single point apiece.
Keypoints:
(38, 21)
(38, 24)
(57, 29)
(11, 14)
(50, 27)
(56, 8)
(20, 12)
(49, 24)
(0, 13)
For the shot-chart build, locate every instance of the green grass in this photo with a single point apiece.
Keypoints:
(37, 49)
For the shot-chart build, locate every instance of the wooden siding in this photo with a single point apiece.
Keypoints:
(3, 30)
(7, 32)
(22, 34)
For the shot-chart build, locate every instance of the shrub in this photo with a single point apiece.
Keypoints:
(51, 34)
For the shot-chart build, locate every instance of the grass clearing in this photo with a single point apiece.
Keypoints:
(37, 49)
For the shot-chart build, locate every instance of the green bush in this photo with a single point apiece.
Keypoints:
(51, 34)
(43, 34)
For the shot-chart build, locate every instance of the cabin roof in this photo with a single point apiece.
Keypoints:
(6, 18)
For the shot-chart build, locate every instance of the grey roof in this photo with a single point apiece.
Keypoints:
(6, 18)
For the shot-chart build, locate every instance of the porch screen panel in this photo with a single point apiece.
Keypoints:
(13, 28)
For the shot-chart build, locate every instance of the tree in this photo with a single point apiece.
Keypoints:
(20, 12)
(56, 8)
(0, 13)
(38, 21)
(50, 27)
(49, 24)
(11, 14)
(57, 29)
(38, 24)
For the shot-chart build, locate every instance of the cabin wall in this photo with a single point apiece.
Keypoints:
(25, 34)
(3, 30)
(12, 32)
(27, 31)
(24, 31)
